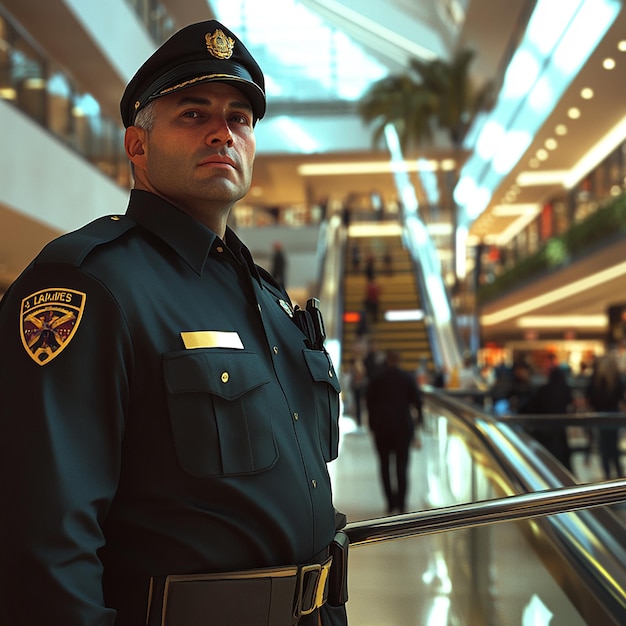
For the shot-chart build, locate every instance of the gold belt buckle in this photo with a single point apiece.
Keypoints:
(319, 595)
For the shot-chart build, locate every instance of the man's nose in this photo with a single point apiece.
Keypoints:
(220, 133)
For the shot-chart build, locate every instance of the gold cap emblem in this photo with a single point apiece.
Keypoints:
(219, 44)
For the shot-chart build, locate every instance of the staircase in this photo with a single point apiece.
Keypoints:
(399, 293)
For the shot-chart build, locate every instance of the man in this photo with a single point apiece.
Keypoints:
(166, 422)
(279, 265)
(394, 404)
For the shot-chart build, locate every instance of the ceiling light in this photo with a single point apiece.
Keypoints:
(503, 238)
(534, 163)
(621, 46)
(542, 154)
(561, 129)
(608, 63)
(586, 93)
(440, 228)
(448, 165)
(35, 83)
(514, 210)
(562, 321)
(412, 315)
(598, 152)
(364, 229)
(550, 177)
(551, 144)
(8, 93)
(573, 113)
(369, 167)
(555, 295)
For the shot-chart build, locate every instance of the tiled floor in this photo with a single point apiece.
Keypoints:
(473, 577)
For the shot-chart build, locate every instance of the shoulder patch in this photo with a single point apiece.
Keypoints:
(74, 247)
(49, 320)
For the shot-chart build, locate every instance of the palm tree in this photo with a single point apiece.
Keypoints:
(430, 96)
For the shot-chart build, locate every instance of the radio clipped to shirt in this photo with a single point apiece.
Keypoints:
(311, 323)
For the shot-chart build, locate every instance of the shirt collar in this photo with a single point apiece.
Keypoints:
(186, 236)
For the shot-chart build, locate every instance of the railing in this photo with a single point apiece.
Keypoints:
(572, 528)
(511, 508)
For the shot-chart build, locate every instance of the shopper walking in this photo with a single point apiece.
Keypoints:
(394, 407)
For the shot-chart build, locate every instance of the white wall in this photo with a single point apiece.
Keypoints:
(45, 180)
(48, 186)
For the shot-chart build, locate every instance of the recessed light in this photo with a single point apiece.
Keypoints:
(586, 93)
(561, 129)
(551, 144)
(608, 63)
(621, 46)
(573, 113)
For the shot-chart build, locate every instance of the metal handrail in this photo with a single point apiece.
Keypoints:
(511, 508)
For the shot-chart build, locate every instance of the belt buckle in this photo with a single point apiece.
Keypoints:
(319, 594)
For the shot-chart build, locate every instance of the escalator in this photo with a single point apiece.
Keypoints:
(400, 324)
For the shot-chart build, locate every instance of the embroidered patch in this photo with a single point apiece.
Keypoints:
(48, 320)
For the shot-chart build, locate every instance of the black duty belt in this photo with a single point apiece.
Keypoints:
(276, 596)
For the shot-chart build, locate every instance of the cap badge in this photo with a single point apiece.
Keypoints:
(219, 44)
(49, 320)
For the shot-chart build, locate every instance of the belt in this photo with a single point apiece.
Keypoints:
(277, 596)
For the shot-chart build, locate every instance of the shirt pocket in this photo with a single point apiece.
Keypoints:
(219, 409)
(326, 391)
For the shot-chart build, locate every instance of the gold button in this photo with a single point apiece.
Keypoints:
(115, 218)
(225, 377)
(219, 249)
(330, 373)
(275, 349)
(296, 416)
(314, 483)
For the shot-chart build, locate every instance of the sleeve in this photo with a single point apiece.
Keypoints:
(65, 367)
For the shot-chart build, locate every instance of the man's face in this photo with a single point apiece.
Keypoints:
(200, 151)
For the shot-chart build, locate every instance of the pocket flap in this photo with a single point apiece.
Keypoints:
(225, 373)
(321, 368)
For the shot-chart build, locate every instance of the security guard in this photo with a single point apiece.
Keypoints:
(166, 415)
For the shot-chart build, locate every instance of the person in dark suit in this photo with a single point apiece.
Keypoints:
(279, 265)
(606, 392)
(394, 405)
(554, 397)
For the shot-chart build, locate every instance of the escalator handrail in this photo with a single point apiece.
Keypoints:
(497, 510)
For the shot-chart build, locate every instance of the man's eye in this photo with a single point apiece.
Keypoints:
(240, 119)
(192, 114)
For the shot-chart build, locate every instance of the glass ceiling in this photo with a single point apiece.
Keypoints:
(303, 58)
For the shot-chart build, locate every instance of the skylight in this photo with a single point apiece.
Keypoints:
(303, 58)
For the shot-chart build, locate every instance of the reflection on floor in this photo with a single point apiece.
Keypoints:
(486, 576)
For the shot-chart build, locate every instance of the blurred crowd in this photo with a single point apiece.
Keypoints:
(520, 389)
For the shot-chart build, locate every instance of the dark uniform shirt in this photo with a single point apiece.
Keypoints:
(133, 441)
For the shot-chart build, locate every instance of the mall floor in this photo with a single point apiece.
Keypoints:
(487, 576)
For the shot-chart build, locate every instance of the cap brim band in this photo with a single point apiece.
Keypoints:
(252, 90)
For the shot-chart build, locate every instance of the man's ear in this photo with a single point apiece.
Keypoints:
(135, 144)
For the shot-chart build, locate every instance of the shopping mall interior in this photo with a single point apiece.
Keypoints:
(467, 156)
